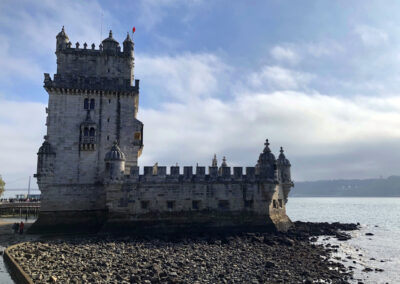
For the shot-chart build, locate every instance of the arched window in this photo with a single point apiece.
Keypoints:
(86, 104)
(92, 104)
(86, 132)
(92, 131)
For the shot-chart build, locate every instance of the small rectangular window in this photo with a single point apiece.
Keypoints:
(91, 103)
(248, 203)
(195, 204)
(144, 204)
(280, 203)
(223, 204)
(137, 135)
(170, 204)
(274, 203)
(86, 104)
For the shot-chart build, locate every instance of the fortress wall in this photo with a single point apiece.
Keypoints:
(227, 198)
(183, 205)
(72, 197)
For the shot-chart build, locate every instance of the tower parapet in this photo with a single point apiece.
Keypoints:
(105, 68)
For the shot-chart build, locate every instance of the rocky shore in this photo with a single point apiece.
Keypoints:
(236, 258)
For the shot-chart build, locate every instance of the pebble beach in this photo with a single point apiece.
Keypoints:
(237, 258)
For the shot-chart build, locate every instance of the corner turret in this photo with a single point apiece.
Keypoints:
(128, 45)
(62, 40)
(115, 163)
(266, 165)
(284, 174)
(110, 44)
(45, 163)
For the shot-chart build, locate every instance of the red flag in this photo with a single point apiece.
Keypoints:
(133, 30)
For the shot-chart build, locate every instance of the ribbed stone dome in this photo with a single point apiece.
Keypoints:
(110, 43)
(282, 159)
(62, 34)
(266, 156)
(115, 154)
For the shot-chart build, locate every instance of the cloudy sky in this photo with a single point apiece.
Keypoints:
(320, 78)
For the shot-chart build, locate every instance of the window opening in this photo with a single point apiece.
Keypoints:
(223, 204)
(195, 204)
(92, 131)
(92, 104)
(248, 203)
(170, 204)
(144, 204)
(86, 104)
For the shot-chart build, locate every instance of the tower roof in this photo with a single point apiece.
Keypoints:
(214, 162)
(128, 38)
(115, 153)
(110, 38)
(282, 159)
(62, 34)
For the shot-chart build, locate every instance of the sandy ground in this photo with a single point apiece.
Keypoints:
(8, 238)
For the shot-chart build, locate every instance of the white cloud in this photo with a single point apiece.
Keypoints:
(323, 135)
(285, 54)
(323, 48)
(153, 12)
(276, 77)
(28, 33)
(371, 36)
(22, 66)
(183, 77)
(22, 126)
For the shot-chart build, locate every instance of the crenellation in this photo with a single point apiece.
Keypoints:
(226, 172)
(237, 173)
(250, 173)
(188, 173)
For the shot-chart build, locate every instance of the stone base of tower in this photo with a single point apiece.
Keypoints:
(83, 221)
(196, 222)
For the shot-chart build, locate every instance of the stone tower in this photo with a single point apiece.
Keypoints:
(93, 101)
(88, 169)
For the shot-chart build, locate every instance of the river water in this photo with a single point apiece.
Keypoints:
(379, 216)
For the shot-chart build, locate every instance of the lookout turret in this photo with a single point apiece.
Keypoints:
(266, 165)
(284, 167)
(128, 45)
(62, 40)
(115, 163)
(110, 44)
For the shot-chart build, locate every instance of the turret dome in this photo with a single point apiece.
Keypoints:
(62, 34)
(62, 40)
(115, 154)
(128, 39)
(110, 43)
(282, 159)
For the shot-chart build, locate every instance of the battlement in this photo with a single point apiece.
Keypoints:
(215, 174)
(91, 66)
(84, 50)
(71, 81)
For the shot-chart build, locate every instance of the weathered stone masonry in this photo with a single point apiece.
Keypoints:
(87, 166)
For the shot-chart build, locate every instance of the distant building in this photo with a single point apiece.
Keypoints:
(88, 170)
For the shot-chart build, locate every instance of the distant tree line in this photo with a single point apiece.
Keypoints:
(382, 187)
(2, 184)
